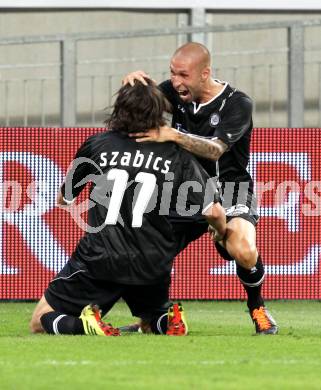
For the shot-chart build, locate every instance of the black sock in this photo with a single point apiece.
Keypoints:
(158, 325)
(252, 282)
(59, 323)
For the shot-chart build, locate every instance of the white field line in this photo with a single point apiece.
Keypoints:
(165, 362)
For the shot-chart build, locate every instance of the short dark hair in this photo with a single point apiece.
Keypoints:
(138, 108)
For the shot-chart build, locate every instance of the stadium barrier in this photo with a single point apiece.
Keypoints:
(37, 237)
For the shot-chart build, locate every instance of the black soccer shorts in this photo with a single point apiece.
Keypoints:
(187, 230)
(74, 288)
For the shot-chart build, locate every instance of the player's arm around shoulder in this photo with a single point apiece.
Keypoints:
(211, 149)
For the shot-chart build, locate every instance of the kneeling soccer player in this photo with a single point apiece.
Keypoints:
(129, 248)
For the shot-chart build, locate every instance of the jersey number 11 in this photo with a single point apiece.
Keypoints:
(120, 177)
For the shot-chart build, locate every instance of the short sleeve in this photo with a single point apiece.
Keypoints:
(237, 120)
(169, 92)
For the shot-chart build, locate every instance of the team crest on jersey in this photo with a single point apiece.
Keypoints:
(214, 119)
(181, 108)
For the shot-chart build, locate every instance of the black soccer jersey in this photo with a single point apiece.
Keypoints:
(133, 187)
(228, 117)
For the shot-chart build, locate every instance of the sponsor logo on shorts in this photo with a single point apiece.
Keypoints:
(237, 210)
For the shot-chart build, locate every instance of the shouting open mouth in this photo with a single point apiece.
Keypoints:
(184, 94)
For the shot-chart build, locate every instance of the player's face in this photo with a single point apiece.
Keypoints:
(186, 78)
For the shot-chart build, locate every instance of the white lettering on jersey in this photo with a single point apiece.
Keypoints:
(167, 163)
(138, 159)
(149, 160)
(112, 161)
(155, 166)
(125, 160)
(103, 157)
(120, 177)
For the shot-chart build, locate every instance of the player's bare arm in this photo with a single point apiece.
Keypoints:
(211, 149)
(216, 218)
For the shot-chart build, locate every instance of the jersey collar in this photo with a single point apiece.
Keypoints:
(198, 107)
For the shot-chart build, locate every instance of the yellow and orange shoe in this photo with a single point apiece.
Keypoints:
(264, 322)
(93, 324)
(177, 325)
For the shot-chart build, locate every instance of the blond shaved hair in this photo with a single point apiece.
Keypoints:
(195, 51)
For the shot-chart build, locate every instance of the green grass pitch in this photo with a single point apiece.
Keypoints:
(219, 353)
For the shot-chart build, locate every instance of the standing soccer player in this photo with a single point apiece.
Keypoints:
(213, 121)
(130, 246)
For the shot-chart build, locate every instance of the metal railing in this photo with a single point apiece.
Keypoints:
(69, 78)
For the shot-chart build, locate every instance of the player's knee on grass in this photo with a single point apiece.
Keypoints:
(35, 323)
(41, 308)
(35, 326)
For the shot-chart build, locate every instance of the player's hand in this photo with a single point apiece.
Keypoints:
(162, 134)
(138, 75)
(215, 236)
